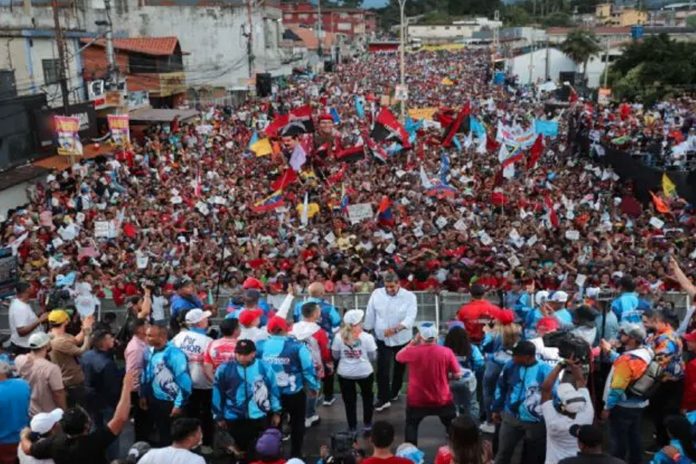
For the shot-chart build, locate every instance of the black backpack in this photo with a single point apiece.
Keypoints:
(569, 345)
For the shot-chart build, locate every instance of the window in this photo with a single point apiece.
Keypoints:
(51, 71)
(447, 28)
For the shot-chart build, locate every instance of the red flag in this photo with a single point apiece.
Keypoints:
(553, 217)
(660, 204)
(386, 126)
(285, 179)
(464, 112)
(491, 144)
(383, 204)
(573, 97)
(337, 176)
(535, 152)
(498, 198)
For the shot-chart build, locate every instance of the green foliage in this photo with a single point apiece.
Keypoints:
(580, 45)
(435, 17)
(443, 10)
(691, 21)
(515, 16)
(558, 19)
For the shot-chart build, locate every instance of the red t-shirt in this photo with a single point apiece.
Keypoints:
(219, 352)
(428, 374)
(390, 460)
(475, 314)
(689, 397)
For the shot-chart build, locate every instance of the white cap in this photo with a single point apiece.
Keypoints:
(43, 422)
(427, 330)
(196, 315)
(572, 400)
(559, 297)
(353, 317)
(541, 297)
(38, 340)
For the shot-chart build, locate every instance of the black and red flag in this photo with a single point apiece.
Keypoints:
(388, 127)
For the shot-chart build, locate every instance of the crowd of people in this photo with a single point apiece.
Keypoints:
(461, 201)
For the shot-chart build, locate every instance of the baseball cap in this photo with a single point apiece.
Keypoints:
(196, 315)
(559, 297)
(43, 422)
(248, 316)
(541, 297)
(571, 399)
(411, 452)
(584, 313)
(354, 316)
(252, 283)
(547, 324)
(137, 451)
(182, 282)
(252, 294)
(58, 317)
(39, 340)
(277, 324)
(524, 348)
(270, 444)
(635, 331)
(588, 435)
(245, 346)
(427, 330)
(690, 337)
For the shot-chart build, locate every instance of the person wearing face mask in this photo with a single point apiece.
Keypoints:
(186, 436)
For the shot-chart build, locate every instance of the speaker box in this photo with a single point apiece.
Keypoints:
(263, 84)
(328, 66)
(567, 76)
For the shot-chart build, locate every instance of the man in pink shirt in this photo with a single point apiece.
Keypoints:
(430, 368)
(135, 360)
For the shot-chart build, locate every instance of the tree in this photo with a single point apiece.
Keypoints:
(691, 21)
(580, 45)
(558, 19)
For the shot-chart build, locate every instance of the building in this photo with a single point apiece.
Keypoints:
(149, 64)
(354, 24)
(608, 35)
(674, 14)
(29, 58)
(613, 15)
(451, 32)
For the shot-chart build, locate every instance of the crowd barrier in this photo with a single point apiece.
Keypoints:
(436, 307)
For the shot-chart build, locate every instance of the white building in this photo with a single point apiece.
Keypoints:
(457, 30)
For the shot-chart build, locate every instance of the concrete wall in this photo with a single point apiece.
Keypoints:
(13, 197)
(558, 62)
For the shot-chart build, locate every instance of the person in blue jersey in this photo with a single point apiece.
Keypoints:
(292, 363)
(625, 306)
(558, 302)
(251, 300)
(182, 301)
(681, 448)
(329, 321)
(245, 394)
(517, 406)
(165, 382)
(530, 312)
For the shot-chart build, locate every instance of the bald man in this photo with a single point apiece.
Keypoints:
(329, 322)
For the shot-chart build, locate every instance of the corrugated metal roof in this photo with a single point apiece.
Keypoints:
(154, 46)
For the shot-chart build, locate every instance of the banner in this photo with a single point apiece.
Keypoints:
(120, 131)
(604, 96)
(515, 136)
(68, 140)
(359, 212)
(422, 113)
(546, 128)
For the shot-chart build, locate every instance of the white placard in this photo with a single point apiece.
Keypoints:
(514, 235)
(441, 222)
(486, 239)
(580, 280)
(391, 248)
(417, 232)
(514, 261)
(57, 242)
(141, 260)
(460, 225)
(572, 235)
(330, 238)
(657, 223)
(532, 240)
(400, 173)
(359, 212)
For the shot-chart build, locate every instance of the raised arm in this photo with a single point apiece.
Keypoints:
(549, 382)
(683, 280)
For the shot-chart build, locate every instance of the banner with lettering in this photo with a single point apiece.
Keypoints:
(120, 131)
(515, 136)
(67, 138)
(422, 113)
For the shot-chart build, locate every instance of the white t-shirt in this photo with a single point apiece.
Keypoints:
(194, 345)
(158, 304)
(354, 362)
(21, 315)
(171, 455)
(560, 443)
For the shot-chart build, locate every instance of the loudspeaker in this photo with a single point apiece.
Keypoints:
(567, 76)
(563, 93)
(328, 66)
(263, 84)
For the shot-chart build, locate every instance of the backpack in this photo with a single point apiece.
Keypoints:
(313, 345)
(569, 345)
(647, 384)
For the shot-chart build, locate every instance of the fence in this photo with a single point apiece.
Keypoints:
(437, 307)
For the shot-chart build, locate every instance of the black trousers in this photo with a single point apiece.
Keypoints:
(328, 385)
(76, 396)
(199, 406)
(349, 391)
(414, 416)
(295, 405)
(386, 362)
(142, 425)
(160, 415)
(665, 402)
(245, 432)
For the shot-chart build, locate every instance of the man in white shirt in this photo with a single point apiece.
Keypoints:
(391, 313)
(186, 435)
(574, 408)
(23, 320)
(194, 343)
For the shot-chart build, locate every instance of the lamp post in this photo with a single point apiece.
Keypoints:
(402, 57)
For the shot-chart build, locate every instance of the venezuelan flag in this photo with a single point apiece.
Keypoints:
(271, 202)
(261, 147)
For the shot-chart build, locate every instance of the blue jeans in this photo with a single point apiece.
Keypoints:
(490, 379)
(625, 433)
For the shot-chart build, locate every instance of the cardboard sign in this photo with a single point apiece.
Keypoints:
(330, 238)
(486, 239)
(572, 235)
(580, 280)
(102, 229)
(514, 261)
(532, 240)
(359, 212)
(656, 223)
(441, 222)
(460, 225)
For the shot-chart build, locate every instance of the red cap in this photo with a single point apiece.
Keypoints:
(325, 117)
(506, 317)
(547, 324)
(248, 316)
(690, 337)
(252, 282)
(277, 324)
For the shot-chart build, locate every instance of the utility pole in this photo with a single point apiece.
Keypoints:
(319, 32)
(110, 55)
(250, 43)
(60, 43)
(606, 63)
(402, 55)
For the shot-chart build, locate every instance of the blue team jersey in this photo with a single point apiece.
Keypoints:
(518, 391)
(330, 317)
(165, 375)
(626, 307)
(292, 363)
(564, 318)
(178, 304)
(244, 392)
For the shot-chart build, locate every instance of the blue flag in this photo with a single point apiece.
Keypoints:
(546, 128)
(477, 127)
(359, 107)
(444, 167)
(394, 148)
(334, 115)
(253, 140)
(457, 143)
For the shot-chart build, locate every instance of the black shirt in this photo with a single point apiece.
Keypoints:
(586, 458)
(85, 449)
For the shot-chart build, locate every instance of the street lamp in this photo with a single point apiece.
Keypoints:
(402, 57)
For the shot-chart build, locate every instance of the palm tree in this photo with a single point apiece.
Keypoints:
(581, 45)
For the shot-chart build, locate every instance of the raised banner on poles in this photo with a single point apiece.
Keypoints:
(422, 113)
(67, 138)
(360, 212)
(120, 131)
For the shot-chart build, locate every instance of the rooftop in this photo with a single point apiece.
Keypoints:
(154, 46)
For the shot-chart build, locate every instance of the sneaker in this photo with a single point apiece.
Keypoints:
(394, 399)
(382, 405)
(286, 436)
(310, 421)
(367, 428)
(487, 427)
(328, 401)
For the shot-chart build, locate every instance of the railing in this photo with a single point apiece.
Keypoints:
(437, 307)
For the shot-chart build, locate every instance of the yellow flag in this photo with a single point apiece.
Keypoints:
(262, 147)
(668, 187)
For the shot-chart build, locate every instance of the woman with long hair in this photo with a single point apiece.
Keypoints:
(471, 361)
(465, 444)
(355, 351)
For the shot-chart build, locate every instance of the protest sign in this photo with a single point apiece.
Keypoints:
(67, 137)
(359, 212)
(120, 131)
